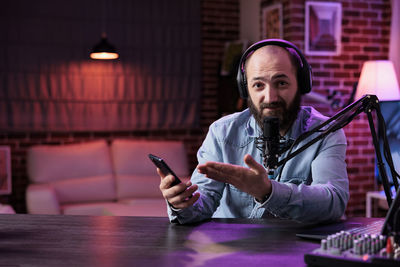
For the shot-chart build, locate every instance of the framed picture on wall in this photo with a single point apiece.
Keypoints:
(323, 22)
(272, 25)
(5, 170)
(232, 53)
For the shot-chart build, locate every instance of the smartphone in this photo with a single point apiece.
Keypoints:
(165, 169)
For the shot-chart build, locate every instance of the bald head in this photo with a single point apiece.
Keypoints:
(276, 55)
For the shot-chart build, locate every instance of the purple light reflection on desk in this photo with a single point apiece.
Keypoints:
(208, 245)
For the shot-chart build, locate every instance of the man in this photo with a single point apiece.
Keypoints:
(230, 180)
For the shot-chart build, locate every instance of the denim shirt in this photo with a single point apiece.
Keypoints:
(313, 185)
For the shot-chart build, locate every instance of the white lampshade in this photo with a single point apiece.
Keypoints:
(378, 78)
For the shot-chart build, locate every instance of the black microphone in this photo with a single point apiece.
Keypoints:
(271, 139)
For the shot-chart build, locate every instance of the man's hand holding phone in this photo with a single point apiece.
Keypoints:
(179, 195)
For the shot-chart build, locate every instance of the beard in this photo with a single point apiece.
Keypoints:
(287, 114)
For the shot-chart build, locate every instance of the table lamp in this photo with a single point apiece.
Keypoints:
(378, 78)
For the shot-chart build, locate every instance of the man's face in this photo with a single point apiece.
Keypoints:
(272, 86)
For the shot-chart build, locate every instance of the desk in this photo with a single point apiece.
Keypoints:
(62, 240)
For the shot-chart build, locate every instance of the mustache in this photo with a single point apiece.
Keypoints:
(276, 104)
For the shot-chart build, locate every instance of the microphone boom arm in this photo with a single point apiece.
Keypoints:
(366, 104)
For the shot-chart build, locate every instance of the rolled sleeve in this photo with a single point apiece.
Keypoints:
(279, 197)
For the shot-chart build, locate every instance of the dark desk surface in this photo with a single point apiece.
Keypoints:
(57, 240)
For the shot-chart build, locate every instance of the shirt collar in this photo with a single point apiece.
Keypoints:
(299, 126)
(252, 128)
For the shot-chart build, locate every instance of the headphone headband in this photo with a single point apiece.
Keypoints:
(304, 78)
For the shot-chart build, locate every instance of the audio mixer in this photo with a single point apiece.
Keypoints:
(352, 249)
(376, 244)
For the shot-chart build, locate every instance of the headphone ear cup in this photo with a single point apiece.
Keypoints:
(306, 78)
(244, 86)
(242, 83)
(310, 78)
(302, 82)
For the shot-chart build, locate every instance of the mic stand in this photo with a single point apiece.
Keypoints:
(366, 104)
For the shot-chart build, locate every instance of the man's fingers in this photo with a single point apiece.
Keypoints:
(185, 196)
(169, 192)
(253, 165)
(217, 167)
(212, 173)
(167, 181)
(187, 203)
(221, 172)
(162, 175)
(180, 196)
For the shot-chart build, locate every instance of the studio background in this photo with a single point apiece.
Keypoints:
(365, 36)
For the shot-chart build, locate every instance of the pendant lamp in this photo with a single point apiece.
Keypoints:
(104, 50)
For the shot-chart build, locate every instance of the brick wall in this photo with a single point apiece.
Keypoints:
(365, 36)
(220, 20)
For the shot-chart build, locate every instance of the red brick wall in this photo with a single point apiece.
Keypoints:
(220, 23)
(365, 36)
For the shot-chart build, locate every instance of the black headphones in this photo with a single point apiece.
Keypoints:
(304, 78)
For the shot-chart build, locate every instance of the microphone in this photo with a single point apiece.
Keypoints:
(271, 139)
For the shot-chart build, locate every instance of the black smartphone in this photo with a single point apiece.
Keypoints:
(165, 169)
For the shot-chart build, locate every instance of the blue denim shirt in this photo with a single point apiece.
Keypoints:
(313, 185)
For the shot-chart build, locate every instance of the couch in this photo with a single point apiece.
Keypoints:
(97, 178)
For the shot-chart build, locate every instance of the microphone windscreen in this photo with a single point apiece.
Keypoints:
(271, 128)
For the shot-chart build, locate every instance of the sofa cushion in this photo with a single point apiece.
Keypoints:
(87, 189)
(48, 163)
(135, 174)
(76, 172)
(42, 199)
